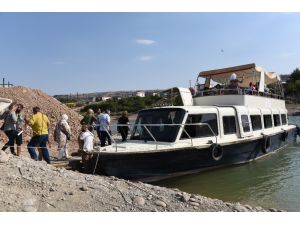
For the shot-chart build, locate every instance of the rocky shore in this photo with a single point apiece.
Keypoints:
(293, 109)
(30, 186)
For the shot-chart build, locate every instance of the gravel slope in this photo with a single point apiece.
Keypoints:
(26, 185)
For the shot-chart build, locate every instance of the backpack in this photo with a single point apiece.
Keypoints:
(57, 131)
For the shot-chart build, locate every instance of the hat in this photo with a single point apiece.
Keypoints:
(232, 77)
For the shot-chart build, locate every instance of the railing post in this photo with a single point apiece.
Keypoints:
(150, 135)
(112, 139)
(192, 144)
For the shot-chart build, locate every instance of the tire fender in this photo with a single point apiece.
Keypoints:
(216, 151)
(266, 144)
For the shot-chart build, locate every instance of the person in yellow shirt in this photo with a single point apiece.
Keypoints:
(40, 124)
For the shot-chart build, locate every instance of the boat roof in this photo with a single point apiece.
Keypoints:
(249, 73)
(4, 104)
(201, 109)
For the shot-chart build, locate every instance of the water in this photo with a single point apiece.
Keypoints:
(271, 182)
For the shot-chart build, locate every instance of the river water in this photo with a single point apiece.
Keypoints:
(270, 182)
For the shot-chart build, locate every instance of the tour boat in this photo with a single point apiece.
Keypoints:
(214, 127)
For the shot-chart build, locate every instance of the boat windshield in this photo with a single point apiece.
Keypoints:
(160, 124)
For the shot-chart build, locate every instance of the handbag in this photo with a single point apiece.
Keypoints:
(3, 125)
(68, 135)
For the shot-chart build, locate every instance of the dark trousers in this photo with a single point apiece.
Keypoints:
(87, 162)
(98, 133)
(11, 134)
(104, 135)
(124, 133)
(39, 141)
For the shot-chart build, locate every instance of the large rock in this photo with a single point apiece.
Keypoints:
(138, 200)
(160, 203)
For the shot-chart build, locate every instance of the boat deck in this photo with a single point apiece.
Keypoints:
(140, 146)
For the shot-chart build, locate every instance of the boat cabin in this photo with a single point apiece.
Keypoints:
(210, 124)
(218, 114)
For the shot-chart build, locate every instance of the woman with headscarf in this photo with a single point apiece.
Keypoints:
(62, 134)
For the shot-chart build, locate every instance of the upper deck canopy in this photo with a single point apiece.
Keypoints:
(249, 73)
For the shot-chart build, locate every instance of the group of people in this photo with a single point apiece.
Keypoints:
(231, 87)
(15, 123)
(100, 123)
(234, 85)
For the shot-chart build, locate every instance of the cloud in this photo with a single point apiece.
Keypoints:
(145, 42)
(59, 63)
(145, 58)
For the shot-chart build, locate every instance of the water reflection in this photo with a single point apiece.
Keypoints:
(273, 181)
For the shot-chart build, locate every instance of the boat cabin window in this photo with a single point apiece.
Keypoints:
(229, 125)
(267, 121)
(245, 123)
(196, 130)
(161, 124)
(276, 120)
(256, 122)
(283, 119)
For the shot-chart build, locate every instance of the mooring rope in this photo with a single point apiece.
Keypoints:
(96, 163)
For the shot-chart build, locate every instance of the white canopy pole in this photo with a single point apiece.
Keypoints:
(262, 82)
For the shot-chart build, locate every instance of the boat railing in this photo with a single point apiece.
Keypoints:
(157, 142)
(238, 91)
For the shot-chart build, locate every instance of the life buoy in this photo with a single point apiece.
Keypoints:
(216, 151)
(284, 135)
(266, 144)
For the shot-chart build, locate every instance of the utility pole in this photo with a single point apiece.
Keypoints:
(6, 85)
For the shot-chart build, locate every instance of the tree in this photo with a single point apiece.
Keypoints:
(293, 83)
(295, 75)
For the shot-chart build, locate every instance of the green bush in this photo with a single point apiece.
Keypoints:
(70, 105)
(293, 83)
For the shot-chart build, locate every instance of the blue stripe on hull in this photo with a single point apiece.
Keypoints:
(159, 165)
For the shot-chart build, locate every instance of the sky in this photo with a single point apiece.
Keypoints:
(63, 53)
